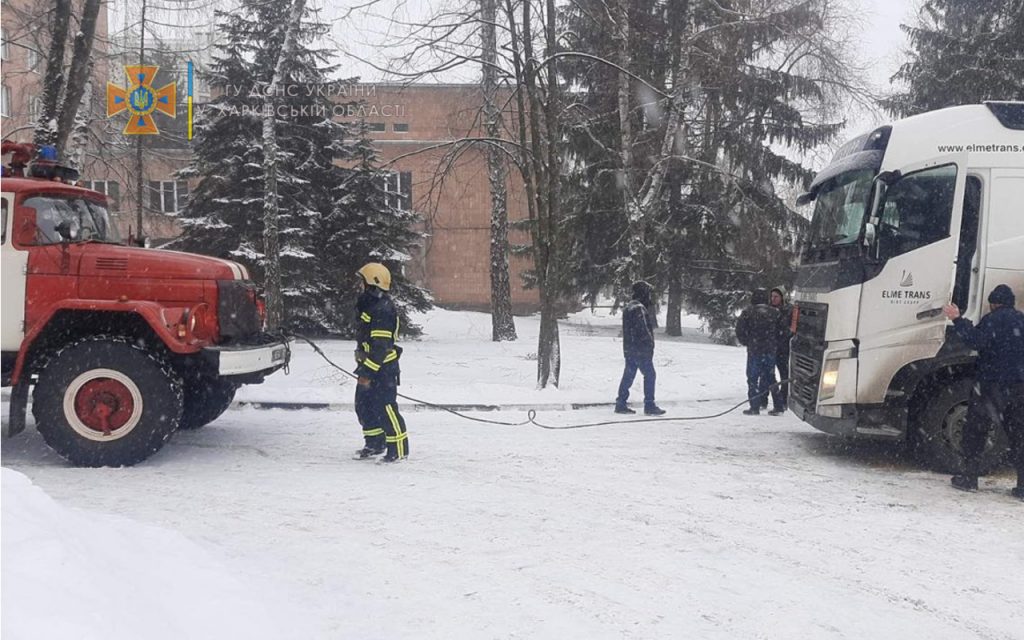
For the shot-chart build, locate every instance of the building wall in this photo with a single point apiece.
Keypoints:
(449, 185)
(415, 129)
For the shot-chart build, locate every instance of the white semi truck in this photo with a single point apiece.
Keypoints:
(908, 217)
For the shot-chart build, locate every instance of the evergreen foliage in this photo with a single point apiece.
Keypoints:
(962, 52)
(334, 216)
(718, 228)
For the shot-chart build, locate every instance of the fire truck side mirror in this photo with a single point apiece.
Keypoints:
(25, 229)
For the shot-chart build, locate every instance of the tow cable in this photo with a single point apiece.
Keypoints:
(531, 415)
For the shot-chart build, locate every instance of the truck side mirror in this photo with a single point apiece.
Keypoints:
(25, 227)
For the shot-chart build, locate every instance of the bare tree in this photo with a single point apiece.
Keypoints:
(502, 324)
(53, 81)
(272, 250)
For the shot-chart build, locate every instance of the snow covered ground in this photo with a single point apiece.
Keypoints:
(730, 528)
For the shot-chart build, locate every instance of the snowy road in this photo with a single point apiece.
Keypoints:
(735, 528)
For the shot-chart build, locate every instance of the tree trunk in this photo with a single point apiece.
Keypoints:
(78, 143)
(673, 321)
(53, 83)
(271, 246)
(78, 76)
(502, 324)
(540, 173)
(635, 218)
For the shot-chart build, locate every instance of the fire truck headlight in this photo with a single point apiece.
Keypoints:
(829, 379)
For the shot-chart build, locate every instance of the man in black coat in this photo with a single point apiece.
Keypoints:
(998, 396)
(786, 328)
(758, 330)
(638, 350)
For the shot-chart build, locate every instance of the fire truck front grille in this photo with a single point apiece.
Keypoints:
(236, 310)
(805, 373)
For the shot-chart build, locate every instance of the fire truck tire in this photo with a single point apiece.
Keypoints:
(205, 400)
(106, 402)
(939, 427)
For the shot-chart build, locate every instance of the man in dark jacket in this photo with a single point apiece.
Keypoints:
(998, 396)
(377, 367)
(758, 330)
(786, 328)
(638, 349)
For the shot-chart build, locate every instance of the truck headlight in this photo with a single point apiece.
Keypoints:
(829, 378)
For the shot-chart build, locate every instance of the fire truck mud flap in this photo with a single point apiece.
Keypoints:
(249, 360)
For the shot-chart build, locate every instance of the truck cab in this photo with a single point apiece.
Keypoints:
(907, 218)
(119, 345)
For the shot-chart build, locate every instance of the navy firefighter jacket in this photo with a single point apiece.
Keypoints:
(377, 329)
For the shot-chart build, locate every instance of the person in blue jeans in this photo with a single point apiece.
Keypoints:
(758, 330)
(638, 350)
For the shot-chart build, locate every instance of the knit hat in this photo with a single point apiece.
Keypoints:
(1002, 294)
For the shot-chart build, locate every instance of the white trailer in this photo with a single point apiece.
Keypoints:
(908, 217)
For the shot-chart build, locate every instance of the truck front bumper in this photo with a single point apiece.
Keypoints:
(240, 360)
(857, 421)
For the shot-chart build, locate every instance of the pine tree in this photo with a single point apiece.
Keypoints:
(962, 52)
(333, 214)
(713, 224)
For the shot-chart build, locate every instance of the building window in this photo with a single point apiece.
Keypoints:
(400, 127)
(5, 101)
(108, 188)
(397, 188)
(168, 196)
(4, 51)
(32, 59)
(375, 126)
(35, 108)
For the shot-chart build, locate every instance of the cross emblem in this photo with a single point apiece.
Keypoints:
(141, 100)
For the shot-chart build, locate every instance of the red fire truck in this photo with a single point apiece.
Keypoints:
(121, 345)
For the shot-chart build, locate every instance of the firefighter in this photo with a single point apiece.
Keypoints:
(758, 330)
(377, 357)
(998, 396)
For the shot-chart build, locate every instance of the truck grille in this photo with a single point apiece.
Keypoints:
(805, 372)
(236, 310)
(807, 350)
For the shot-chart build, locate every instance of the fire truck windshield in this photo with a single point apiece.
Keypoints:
(69, 219)
(839, 209)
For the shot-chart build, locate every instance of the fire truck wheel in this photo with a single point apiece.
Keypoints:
(105, 402)
(205, 400)
(939, 427)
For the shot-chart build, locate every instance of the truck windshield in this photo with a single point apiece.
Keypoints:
(839, 209)
(69, 219)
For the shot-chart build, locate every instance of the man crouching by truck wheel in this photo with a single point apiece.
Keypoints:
(998, 395)
(377, 357)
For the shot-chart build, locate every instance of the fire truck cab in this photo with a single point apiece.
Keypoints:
(120, 345)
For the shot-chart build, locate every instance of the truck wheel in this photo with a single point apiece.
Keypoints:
(939, 427)
(205, 400)
(104, 402)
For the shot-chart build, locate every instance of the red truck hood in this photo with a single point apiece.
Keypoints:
(115, 260)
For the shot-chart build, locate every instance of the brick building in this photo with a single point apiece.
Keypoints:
(415, 129)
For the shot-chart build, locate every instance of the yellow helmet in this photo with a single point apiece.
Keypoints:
(376, 274)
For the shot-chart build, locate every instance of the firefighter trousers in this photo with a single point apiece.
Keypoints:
(383, 425)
